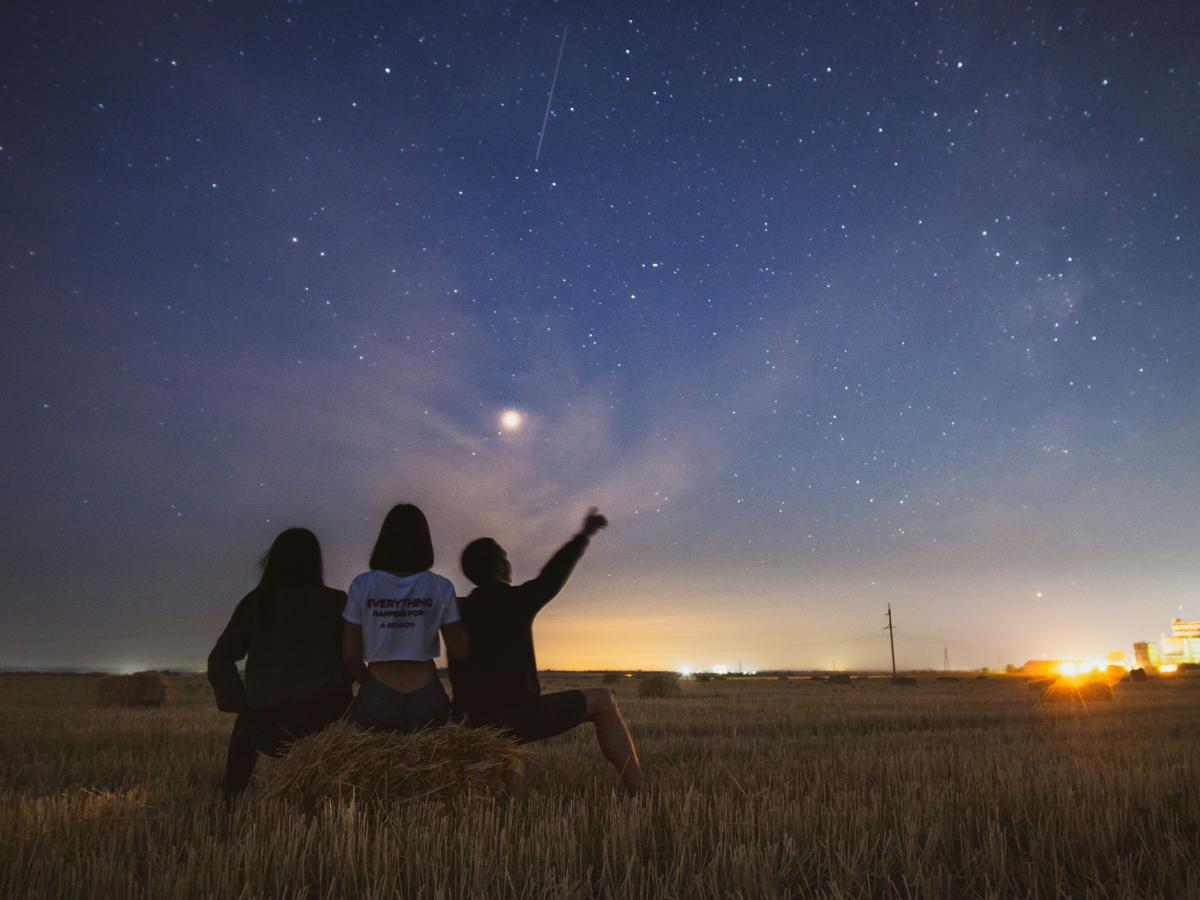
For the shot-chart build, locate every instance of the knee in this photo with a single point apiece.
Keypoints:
(599, 701)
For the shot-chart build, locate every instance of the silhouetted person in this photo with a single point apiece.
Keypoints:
(390, 638)
(289, 631)
(498, 684)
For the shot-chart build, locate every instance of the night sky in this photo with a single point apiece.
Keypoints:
(825, 305)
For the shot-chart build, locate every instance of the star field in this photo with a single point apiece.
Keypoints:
(826, 306)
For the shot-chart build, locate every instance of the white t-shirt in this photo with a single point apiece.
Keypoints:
(400, 615)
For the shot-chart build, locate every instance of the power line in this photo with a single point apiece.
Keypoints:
(891, 638)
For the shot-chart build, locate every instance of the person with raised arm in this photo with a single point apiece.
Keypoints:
(498, 686)
(394, 614)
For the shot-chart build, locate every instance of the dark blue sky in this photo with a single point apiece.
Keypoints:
(827, 305)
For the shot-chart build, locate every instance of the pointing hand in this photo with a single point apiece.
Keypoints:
(594, 522)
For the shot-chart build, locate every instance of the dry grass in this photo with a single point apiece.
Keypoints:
(344, 761)
(138, 689)
(1067, 690)
(756, 789)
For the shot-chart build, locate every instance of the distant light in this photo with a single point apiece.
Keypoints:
(511, 420)
(1168, 668)
(686, 671)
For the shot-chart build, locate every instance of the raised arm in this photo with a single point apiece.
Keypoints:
(541, 590)
(222, 662)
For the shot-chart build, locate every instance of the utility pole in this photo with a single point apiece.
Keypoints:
(892, 639)
(945, 658)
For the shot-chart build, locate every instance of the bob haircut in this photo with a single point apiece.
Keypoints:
(404, 544)
(294, 560)
(479, 559)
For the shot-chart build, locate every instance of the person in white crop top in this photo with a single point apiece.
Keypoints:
(392, 621)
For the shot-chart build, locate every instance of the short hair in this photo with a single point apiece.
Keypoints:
(479, 559)
(404, 543)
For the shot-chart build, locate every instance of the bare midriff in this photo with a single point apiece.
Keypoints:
(404, 675)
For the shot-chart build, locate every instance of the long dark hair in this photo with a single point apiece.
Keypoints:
(294, 560)
(404, 544)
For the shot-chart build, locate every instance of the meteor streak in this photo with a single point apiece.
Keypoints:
(550, 99)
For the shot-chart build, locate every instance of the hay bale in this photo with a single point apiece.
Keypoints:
(1067, 691)
(612, 678)
(1137, 675)
(444, 763)
(660, 686)
(907, 680)
(839, 678)
(138, 689)
(1042, 685)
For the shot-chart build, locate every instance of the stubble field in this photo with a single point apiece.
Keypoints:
(755, 789)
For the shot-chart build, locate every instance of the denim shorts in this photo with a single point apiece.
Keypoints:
(382, 708)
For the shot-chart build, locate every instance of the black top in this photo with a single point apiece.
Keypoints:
(501, 670)
(292, 640)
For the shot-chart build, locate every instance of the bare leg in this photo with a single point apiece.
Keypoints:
(613, 736)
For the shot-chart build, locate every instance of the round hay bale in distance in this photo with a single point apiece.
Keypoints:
(660, 686)
(138, 689)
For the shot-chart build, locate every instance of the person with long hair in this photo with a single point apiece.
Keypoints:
(394, 615)
(288, 629)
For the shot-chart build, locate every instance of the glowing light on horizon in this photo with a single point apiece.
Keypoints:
(1076, 667)
(1168, 668)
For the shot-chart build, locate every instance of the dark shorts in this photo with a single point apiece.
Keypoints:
(380, 707)
(269, 731)
(540, 718)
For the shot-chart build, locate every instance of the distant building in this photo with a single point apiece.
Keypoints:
(1185, 628)
(1183, 644)
(1146, 654)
